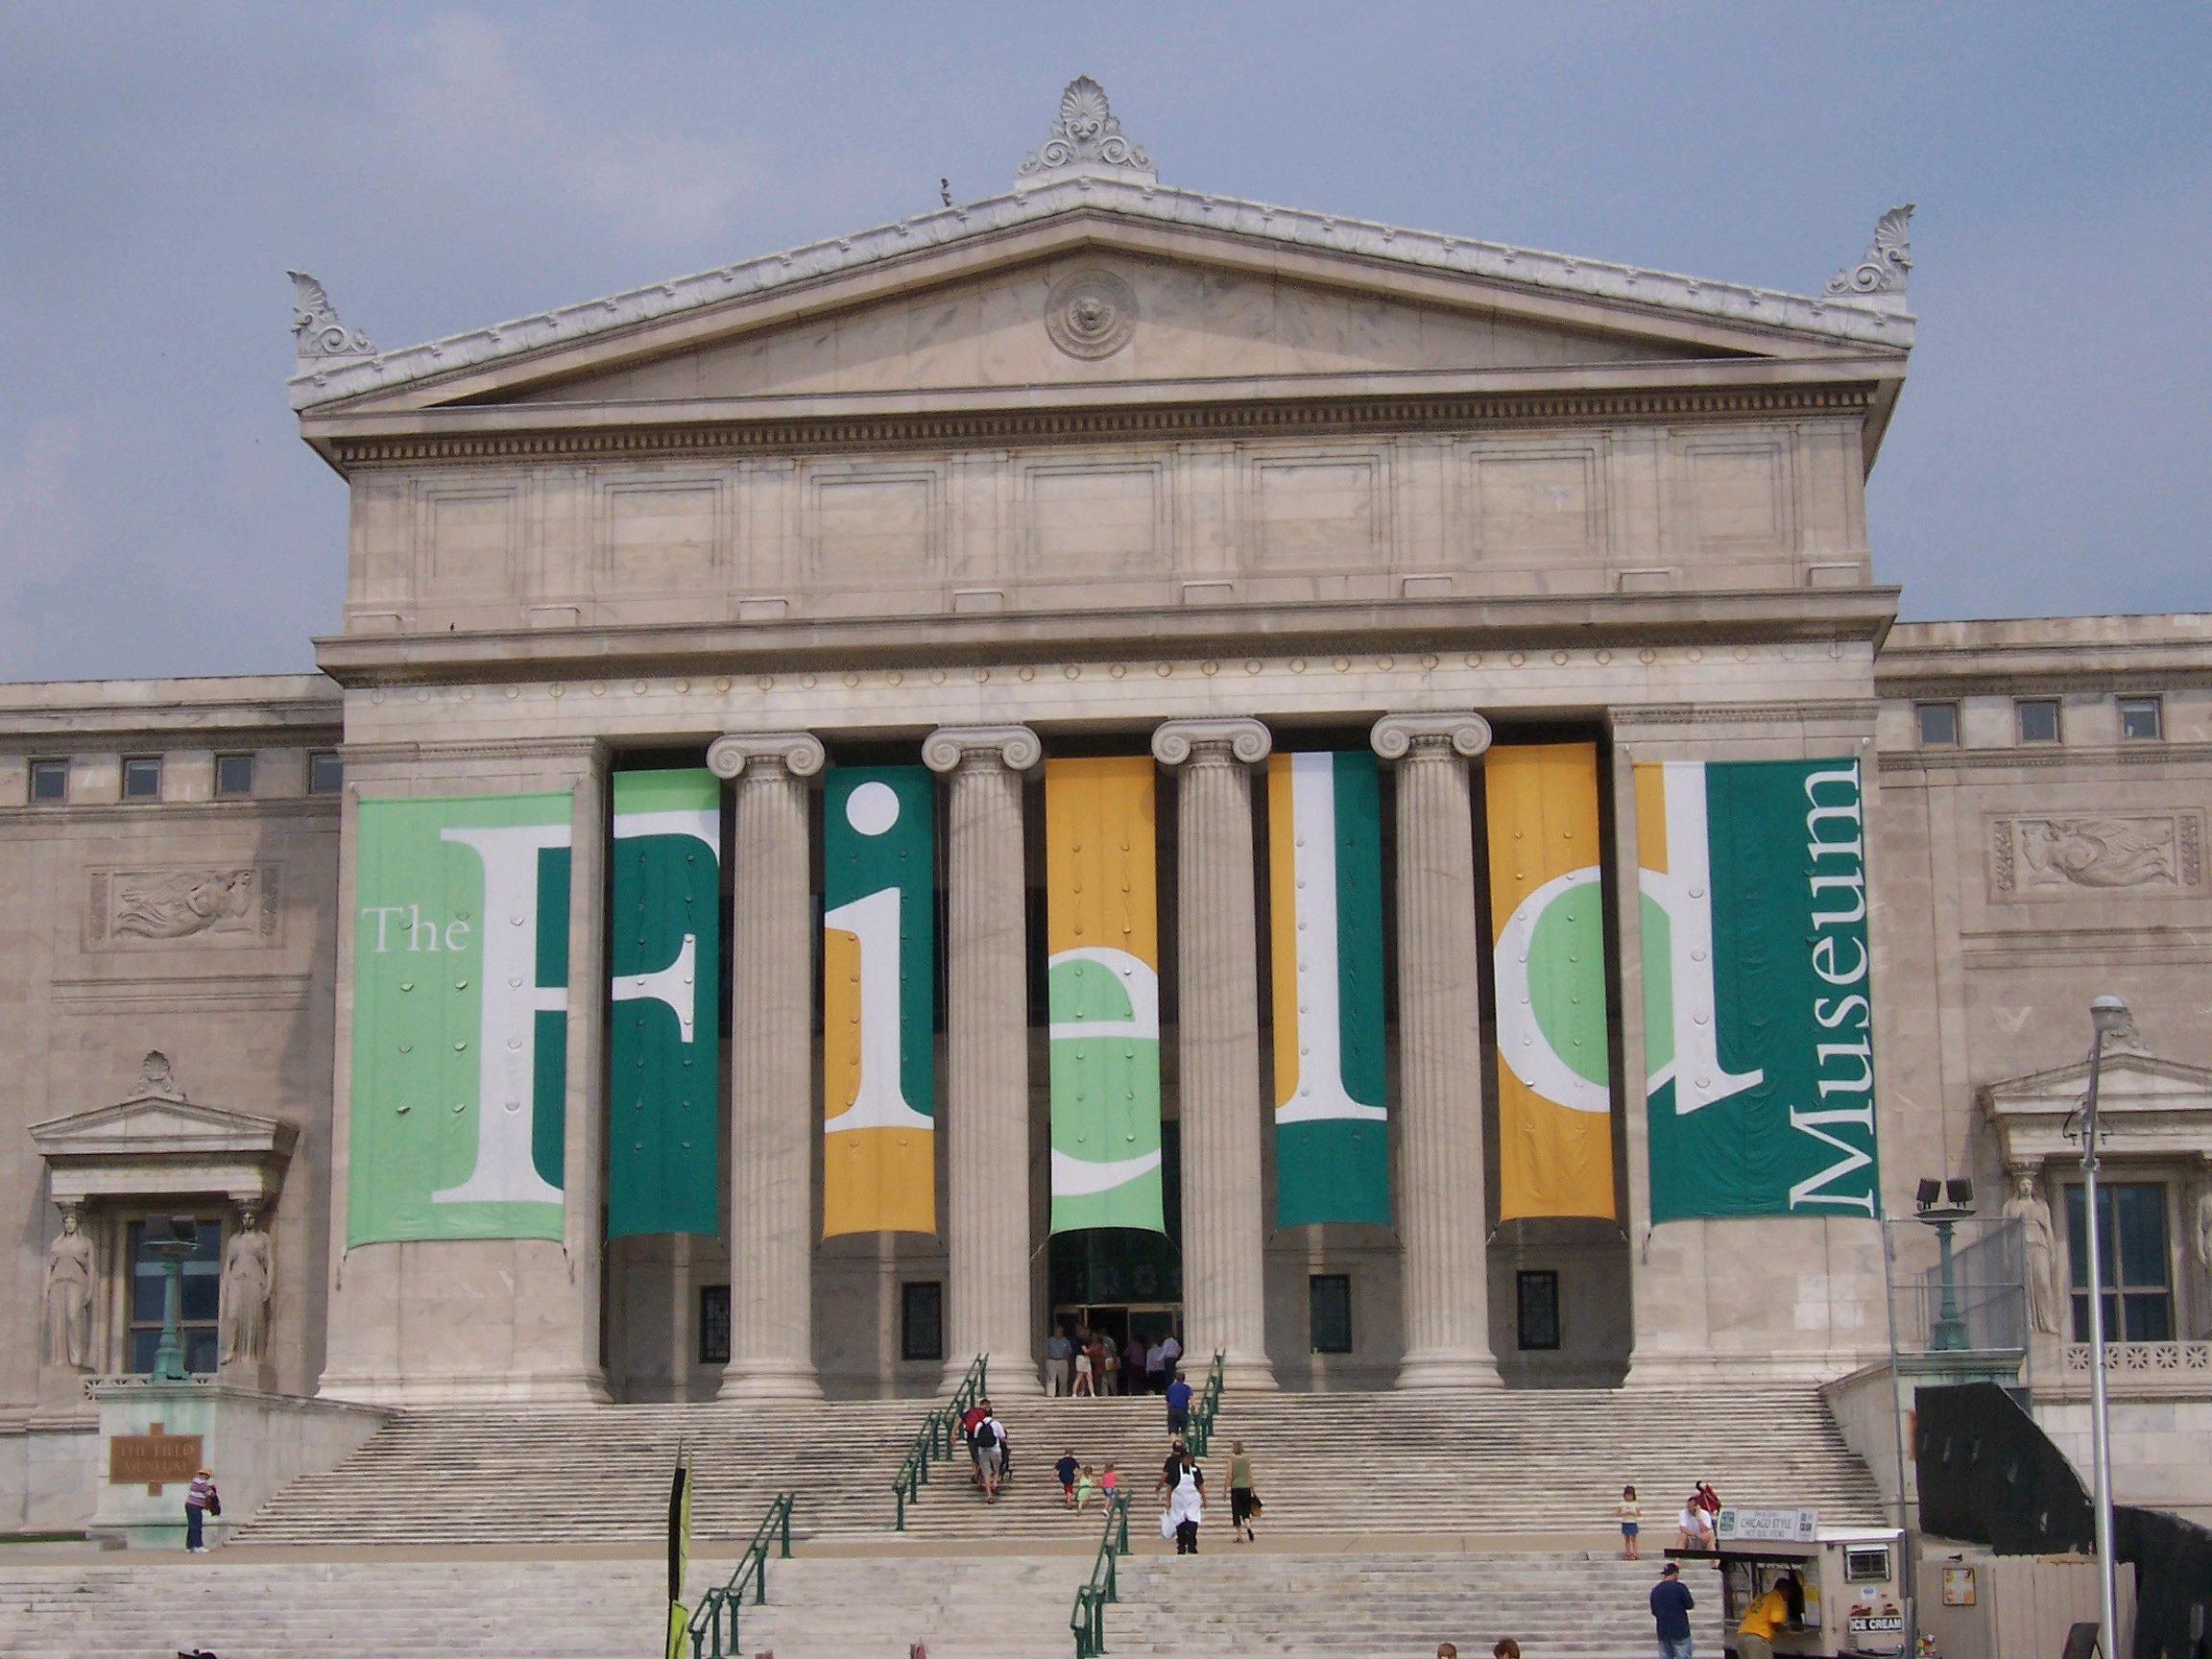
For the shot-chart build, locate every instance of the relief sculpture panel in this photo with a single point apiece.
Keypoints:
(139, 910)
(2147, 854)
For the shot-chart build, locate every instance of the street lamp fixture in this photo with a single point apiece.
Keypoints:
(2107, 1016)
(1943, 1205)
(176, 1241)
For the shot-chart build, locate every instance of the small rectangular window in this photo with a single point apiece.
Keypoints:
(713, 1324)
(233, 774)
(1328, 1311)
(1938, 724)
(49, 779)
(1866, 1564)
(1538, 1301)
(2038, 720)
(922, 1320)
(325, 772)
(142, 777)
(2139, 717)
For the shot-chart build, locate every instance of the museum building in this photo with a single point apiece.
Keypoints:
(1107, 754)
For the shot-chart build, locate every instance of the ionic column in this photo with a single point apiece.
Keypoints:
(770, 1080)
(1442, 1200)
(987, 1053)
(1224, 1232)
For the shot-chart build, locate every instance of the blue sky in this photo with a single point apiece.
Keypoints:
(440, 167)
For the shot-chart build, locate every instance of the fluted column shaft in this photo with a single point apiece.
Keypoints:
(1442, 1199)
(1224, 1227)
(771, 1085)
(987, 1055)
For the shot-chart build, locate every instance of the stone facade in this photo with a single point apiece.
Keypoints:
(1096, 467)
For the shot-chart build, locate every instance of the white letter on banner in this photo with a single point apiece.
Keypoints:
(873, 919)
(1685, 892)
(507, 1041)
(1808, 1190)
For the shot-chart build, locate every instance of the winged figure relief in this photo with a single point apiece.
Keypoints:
(178, 905)
(2098, 852)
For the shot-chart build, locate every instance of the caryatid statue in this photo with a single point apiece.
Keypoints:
(69, 1294)
(2036, 1234)
(244, 1317)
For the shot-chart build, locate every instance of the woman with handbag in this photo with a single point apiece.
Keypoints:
(201, 1500)
(1244, 1501)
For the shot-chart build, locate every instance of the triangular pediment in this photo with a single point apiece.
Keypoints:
(146, 1127)
(1113, 287)
(2146, 1105)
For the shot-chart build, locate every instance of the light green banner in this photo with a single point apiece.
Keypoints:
(1758, 1027)
(663, 948)
(460, 1018)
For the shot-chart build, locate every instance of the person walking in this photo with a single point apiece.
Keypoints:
(201, 1500)
(1242, 1505)
(1671, 1604)
(1178, 1405)
(1156, 1368)
(1108, 1482)
(1086, 1488)
(991, 1456)
(1068, 1469)
(971, 1421)
(1631, 1515)
(1058, 1351)
(1186, 1507)
(1133, 1365)
(1769, 1613)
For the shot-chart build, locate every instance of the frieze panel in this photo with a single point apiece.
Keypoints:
(2146, 854)
(234, 906)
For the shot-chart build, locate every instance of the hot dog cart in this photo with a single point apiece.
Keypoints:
(1851, 1579)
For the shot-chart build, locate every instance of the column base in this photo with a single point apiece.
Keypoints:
(768, 1379)
(1241, 1373)
(1435, 1370)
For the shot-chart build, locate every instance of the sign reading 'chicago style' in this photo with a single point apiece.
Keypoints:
(460, 1018)
(1758, 1027)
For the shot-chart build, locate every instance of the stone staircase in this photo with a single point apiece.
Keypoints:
(971, 1606)
(1377, 1606)
(1499, 1465)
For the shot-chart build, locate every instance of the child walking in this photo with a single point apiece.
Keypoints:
(1086, 1488)
(1631, 1523)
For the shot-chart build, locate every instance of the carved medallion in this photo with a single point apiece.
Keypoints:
(1090, 314)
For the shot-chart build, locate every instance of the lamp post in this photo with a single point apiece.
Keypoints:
(2107, 1014)
(176, 1240)
(1947, 1334)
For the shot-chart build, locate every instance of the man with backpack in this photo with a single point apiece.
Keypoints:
(971, 1420)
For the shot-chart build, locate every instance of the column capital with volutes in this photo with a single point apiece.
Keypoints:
(1458, 731)
(1179, 740)
(799, 754)
(1016, 748)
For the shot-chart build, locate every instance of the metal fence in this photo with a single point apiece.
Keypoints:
(1978, 1305)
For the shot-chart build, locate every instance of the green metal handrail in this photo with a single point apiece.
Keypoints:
(1200, 1429)
(1089, 1620)
(719, 1606)
(935, 1439)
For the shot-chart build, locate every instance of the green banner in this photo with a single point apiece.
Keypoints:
(878, 1000)
(1324, 911)
(663, 952)
(460, 1018)
(1757, 1019)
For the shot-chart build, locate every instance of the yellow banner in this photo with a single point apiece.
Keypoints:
(1103, 974)
(1555, 1055)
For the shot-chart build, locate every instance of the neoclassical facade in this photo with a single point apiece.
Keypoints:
(1101, 503)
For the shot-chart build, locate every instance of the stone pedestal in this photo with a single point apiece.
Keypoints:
(987, 1054)
(1225, 1230)
(1442, 1200)
(771, 1083)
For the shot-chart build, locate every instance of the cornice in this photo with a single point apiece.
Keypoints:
(2043, 755)
(1855, 710)
(171, 815)
(585, 750)
(1639, 622)
(556, 435)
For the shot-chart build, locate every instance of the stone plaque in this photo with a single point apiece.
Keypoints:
(2143, 855)
(154, 909)
(152, 1459)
